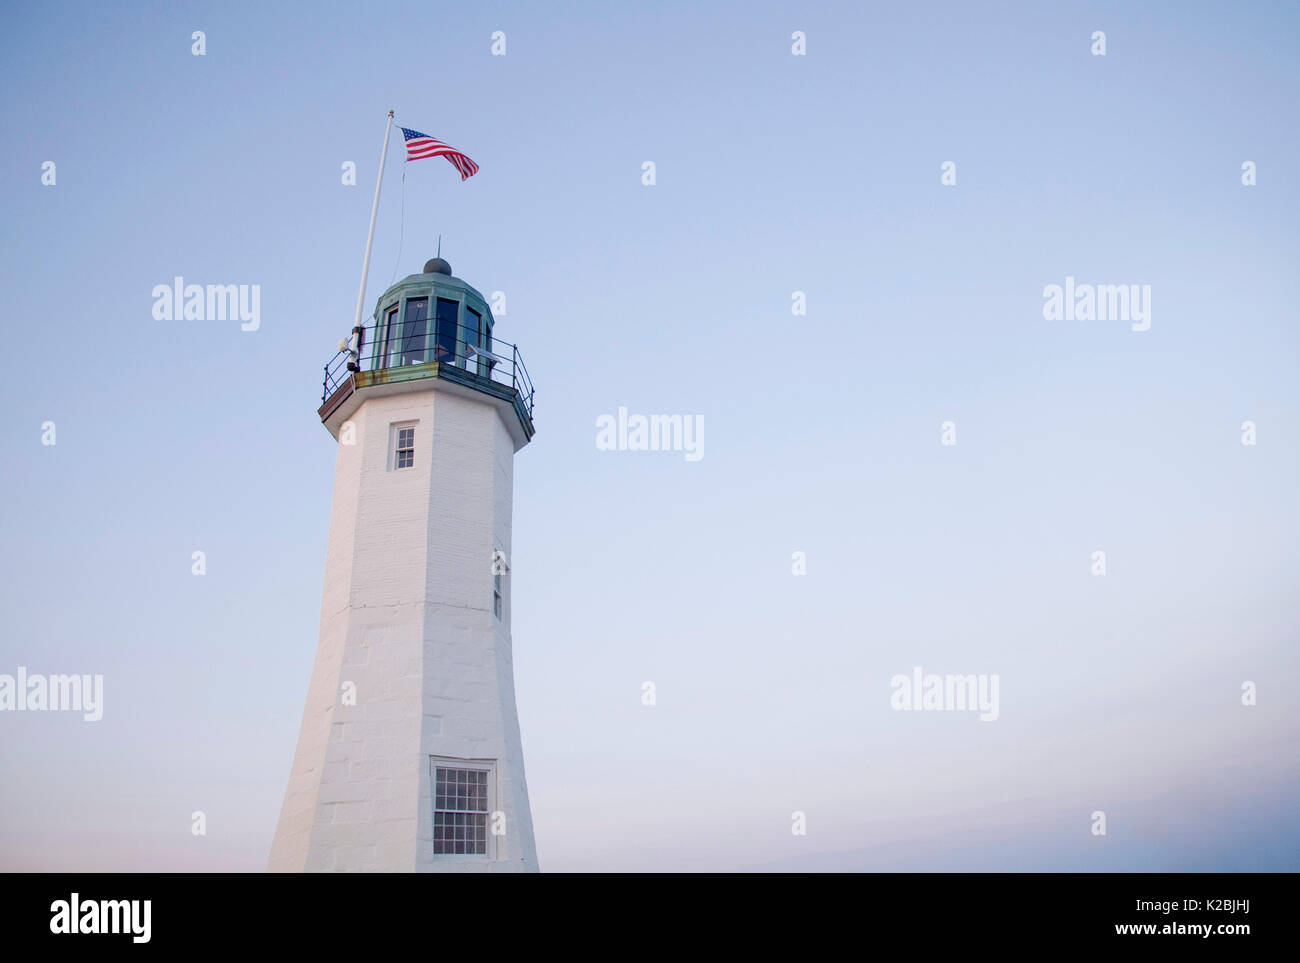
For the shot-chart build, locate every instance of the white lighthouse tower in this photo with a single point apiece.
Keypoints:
(409, 757)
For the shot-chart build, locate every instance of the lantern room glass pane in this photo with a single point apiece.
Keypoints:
(445, 348)
(415, 331)
(469, 334)
(470, 327)
(384, 339)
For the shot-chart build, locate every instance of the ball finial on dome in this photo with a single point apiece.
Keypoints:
(437, 265)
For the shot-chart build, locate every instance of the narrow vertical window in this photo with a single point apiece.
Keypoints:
(403, 453)
(497, 579)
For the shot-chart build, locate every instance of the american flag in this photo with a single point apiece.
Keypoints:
(419, 146)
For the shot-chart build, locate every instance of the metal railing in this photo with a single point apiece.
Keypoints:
(497, 362)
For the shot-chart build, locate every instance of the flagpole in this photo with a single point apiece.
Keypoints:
(374, 210)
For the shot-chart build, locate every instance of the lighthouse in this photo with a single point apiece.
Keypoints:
(409, 757)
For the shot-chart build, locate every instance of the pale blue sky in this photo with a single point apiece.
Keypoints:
(775, 174)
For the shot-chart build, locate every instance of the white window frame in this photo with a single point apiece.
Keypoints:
(394, 436)
(480, 765)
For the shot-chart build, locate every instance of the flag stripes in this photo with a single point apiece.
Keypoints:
(420, 146)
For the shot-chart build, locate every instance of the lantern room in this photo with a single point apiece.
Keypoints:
(430, 325)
